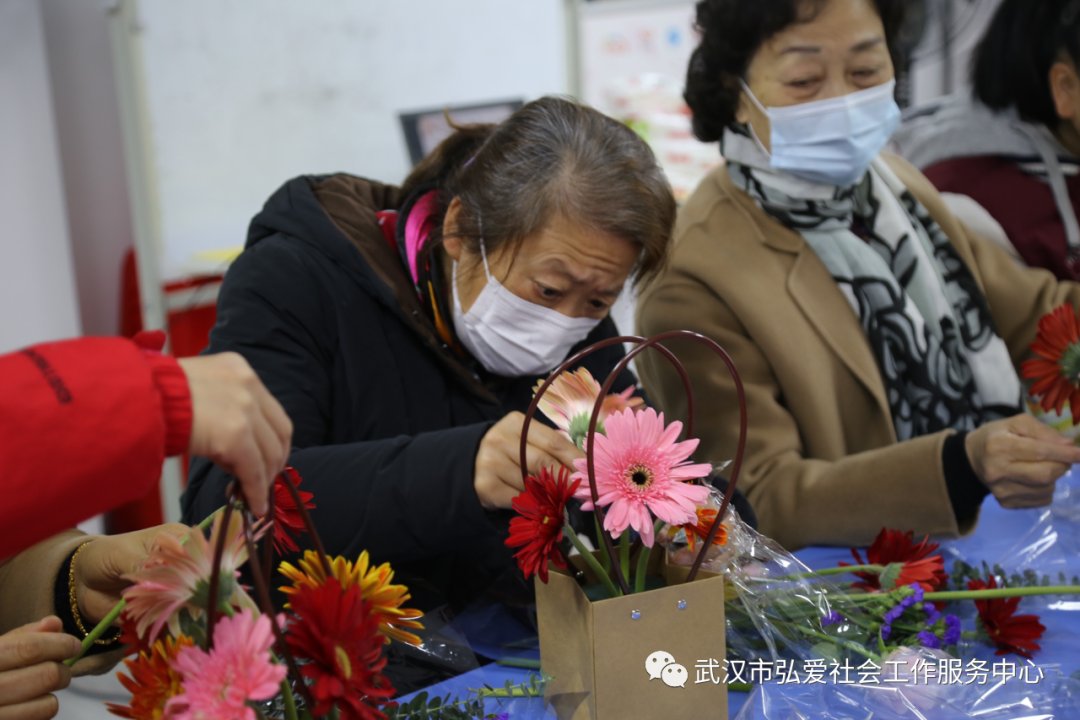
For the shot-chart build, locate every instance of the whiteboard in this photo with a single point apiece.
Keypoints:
(240, 95)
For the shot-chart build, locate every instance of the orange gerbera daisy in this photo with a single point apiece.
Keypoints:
(699, 530)
(375, 584)
(1055, 369)
(153, 680)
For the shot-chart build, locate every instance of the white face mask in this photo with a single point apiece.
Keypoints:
(511, 336)
(831, 141)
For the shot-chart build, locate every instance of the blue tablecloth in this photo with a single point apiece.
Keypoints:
(1046, 540)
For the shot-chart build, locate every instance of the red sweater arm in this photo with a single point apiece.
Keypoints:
(83, 428)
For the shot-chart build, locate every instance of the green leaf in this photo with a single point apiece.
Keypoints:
(890, 575)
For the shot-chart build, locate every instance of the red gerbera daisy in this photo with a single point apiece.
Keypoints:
(538, 527)
(334, 629)
(1056, 365)
(906, 562)
(288, 523)
(1009, 632)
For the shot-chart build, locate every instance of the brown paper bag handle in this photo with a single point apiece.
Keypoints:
(262, 567)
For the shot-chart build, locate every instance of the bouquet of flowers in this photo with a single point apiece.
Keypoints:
(636, 476)
(605, 614)
(205, 648)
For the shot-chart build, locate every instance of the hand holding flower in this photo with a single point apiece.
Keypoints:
(497, 477)
(103, 564)
(1019, 459)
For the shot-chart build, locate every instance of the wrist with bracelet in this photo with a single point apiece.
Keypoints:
(66, 603)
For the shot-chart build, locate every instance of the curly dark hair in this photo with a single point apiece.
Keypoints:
(731, 32)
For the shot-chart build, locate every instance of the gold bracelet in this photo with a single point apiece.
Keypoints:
(73, 600)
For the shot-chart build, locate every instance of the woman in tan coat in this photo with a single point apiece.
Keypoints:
(876, 337)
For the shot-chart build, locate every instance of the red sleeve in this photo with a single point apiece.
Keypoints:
(83, 428)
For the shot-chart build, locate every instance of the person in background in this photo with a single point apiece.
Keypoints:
(876, 338)
(84, 427)
(404, 328)
(1013, 147)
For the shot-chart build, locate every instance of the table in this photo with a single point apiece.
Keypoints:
(1047, 540)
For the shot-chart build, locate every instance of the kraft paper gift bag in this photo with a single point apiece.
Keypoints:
(657, 654)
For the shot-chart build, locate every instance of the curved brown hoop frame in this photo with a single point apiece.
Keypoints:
(640, 345)
(262, 570)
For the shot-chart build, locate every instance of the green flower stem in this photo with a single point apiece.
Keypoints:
(644, 554)
(98, 631)
(514, 691)
(290, 701)
(108, 620)
(1002, 592)
(839, 570)
(624, 554)
(526, 663)
(604, 559)
(853, 646)
(591, 561)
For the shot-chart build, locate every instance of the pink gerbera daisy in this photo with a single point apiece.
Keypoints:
(568, 402)
(640, 468)
(176, 576)
(218, 684)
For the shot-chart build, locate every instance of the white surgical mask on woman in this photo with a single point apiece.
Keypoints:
(511, 336)
(831, 141)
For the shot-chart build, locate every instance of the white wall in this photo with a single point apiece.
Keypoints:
(91, 153)
(243, 94)
(37, 291)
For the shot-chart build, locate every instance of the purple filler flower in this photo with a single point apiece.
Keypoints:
(952, 630)
(929, 639)
(833, 618)
(894, 613)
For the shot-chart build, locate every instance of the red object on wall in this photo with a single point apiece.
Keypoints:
(191, 310)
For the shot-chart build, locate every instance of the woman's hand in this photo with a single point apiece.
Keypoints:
(237, 422)
(31, 668)
(102, 564)
(1020, 459)
(497, 476)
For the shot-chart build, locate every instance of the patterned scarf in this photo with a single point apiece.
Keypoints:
(941, 359)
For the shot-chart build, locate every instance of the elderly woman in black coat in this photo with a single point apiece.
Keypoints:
(403, 329)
